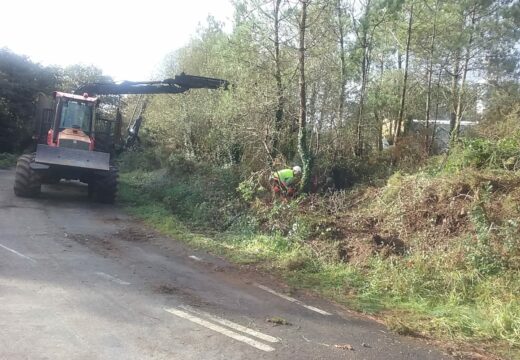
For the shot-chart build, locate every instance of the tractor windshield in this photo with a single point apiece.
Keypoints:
(76, 114)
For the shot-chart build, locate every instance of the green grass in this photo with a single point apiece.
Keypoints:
(441, 293)
(242, 248)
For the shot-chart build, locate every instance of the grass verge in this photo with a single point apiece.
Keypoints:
(460, 289)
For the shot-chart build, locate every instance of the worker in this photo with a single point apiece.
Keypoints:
(284, 182)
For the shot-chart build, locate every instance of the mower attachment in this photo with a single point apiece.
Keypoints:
(72, 157)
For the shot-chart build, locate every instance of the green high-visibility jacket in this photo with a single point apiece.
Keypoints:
(286, 176)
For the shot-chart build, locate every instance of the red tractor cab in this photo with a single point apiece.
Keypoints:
(73, 122)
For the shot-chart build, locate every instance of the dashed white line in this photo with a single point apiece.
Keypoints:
(220, 329)
(196, 258)
(288, 298)
(235, 326)
(17, 253)
(112, 278)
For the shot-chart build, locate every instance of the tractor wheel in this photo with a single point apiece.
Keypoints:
(106, 186)
(27, 183)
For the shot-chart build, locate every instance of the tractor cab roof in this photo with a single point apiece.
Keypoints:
(84, 97)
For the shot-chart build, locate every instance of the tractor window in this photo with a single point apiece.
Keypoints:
(75, 114)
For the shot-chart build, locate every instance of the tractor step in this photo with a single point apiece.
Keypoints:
(61, 156)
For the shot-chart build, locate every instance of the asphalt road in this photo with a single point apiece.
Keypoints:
(81, 280)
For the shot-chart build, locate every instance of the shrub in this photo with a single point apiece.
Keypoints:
(481, 254)
(179, 164)
(483, 153)
(348, 172)
(7, 160)
(146, 160)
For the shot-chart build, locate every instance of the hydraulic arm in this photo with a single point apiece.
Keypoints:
(179, 84)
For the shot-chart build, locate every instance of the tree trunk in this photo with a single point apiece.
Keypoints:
(459, 111)
(343, 62)
(379, 121)
(430, 73)
(454, 90)
(312, 114)
(379, 125)
(303, 149)
(436, 113)
(321, 119)
(364, 79)
(359, 128)
(278, 77)
(397, 131)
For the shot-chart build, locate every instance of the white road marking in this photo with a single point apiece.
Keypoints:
(220, 329)
(288, 298)
(233, 325)
(196, 258)
(112, 278)
(17, 253)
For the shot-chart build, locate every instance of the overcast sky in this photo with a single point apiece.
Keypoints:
(127, 39)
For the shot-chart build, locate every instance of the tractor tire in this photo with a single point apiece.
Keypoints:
(27, 183)
(106, 186)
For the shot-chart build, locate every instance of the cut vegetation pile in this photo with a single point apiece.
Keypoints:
(435, 253)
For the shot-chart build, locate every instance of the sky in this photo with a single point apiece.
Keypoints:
(126, 39)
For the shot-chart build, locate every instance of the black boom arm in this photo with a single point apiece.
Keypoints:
(179, 84)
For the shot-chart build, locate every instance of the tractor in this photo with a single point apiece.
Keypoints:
(73, 142)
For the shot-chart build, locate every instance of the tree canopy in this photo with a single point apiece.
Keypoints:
(20, 81)
(371, 66)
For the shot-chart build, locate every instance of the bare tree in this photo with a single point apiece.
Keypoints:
(459, 108)
(431, 54)
(397, 130)
(278, 77)
(365, 67)
(303, 149)
(343, 62)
